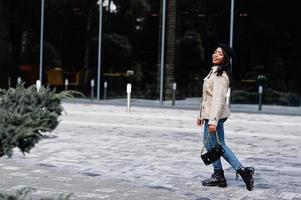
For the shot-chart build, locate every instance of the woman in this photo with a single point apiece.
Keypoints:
(214, 112)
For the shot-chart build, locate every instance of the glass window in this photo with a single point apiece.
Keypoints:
(130, 47)
(266, 43)
(201, 24)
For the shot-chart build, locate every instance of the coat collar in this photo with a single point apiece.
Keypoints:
(214, 68)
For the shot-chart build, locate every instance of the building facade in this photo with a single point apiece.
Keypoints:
(265, 40)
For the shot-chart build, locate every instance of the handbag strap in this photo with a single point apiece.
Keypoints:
(206, 140)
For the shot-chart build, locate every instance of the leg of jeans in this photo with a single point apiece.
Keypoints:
(228, 155)
(217, 165)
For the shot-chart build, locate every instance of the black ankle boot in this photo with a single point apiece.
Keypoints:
(217, 179)
(246, 174)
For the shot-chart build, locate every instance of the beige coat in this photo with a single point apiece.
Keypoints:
(214, 105)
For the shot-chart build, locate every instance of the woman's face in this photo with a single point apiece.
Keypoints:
(218, 56)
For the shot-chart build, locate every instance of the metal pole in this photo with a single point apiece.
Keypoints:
(162, 50)
(92, 89)
(19, 80)
(231, 45)
(231, 23)
(99, 50)
(174, 88)
(260, 89)
(128, 91)
(41, 41)
(105, 87)
(66, 84)
(38, 85)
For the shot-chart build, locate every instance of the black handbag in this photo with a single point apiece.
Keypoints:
(213, 154)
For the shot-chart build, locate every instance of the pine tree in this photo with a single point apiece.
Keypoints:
(27, 113)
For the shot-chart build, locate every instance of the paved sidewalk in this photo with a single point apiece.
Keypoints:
(102, 152)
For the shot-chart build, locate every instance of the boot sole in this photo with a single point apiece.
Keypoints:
(222, 185)
(214, 185)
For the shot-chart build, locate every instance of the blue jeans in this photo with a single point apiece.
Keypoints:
(211, 142)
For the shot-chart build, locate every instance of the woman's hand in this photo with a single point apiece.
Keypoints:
(212, 128)
(199, 122)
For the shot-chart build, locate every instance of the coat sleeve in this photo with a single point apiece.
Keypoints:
(220, 88)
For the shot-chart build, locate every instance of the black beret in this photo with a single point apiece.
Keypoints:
(227, 49)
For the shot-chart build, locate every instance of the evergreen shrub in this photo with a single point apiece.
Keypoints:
(27, 113)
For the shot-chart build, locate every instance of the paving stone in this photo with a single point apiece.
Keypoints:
(103, 152)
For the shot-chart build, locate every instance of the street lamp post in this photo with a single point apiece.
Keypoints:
(41, 41)
(231, 45)
(100, 3)
(162, 50)
(231, 23)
